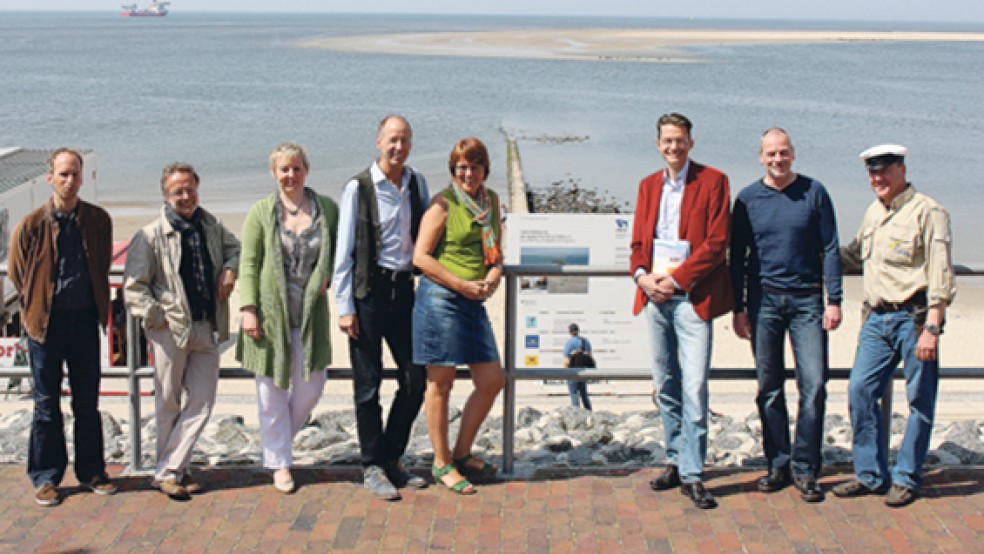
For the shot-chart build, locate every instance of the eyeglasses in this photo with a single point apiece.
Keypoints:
(463, 168)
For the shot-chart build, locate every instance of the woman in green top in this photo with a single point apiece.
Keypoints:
(458, 251)
(285, 268)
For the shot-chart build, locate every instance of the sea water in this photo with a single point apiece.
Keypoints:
(221, 90)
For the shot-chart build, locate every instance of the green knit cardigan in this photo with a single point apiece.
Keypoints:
(262, 283)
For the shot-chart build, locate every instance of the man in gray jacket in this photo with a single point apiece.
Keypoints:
(180, 270)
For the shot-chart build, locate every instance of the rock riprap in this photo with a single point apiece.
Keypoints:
(562, 438)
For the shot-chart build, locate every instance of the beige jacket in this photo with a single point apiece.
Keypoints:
(903, 249)
(152, 286)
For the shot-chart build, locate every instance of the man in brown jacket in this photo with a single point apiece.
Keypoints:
(59, 262)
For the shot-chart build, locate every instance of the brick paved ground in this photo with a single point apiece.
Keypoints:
(564, 512)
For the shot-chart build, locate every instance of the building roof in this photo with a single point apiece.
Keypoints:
(20, 165)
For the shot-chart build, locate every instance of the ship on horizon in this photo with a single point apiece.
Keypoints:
(156, 9)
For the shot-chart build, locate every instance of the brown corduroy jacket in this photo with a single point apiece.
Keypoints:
(34, 253)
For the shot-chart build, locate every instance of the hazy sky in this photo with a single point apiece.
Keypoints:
(879, 10)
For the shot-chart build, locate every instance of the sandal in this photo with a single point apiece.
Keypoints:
(486, 471)
(461, 487)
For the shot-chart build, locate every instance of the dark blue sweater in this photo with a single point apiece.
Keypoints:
(785, 240)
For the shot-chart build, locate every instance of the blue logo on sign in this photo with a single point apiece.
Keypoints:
(532, 341)
(531, 322)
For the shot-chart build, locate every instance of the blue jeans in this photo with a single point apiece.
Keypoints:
(579, 389)
(681, 355)
(72, 338)
(885, 340)
(772, 316)
(449, 329)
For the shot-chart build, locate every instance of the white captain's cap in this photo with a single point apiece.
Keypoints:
(883, 155)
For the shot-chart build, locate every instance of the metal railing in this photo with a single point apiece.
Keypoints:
(133, 372)
(512, 273)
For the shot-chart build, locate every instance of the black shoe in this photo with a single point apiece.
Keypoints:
(810, 490)
(854, 489)
(667, 480)
(899, 496)
(374, 479)
(775, 481)
(702, 497)
(401, 478)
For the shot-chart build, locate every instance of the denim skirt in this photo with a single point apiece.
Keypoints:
(449, 329)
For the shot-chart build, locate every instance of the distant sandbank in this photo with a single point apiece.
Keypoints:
(642, 45)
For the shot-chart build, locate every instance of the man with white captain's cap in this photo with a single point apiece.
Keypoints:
(903, 250)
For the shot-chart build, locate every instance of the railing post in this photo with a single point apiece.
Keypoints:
(509, 394)
(133, 389)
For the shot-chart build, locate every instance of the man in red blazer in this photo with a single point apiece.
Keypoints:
(679, 246)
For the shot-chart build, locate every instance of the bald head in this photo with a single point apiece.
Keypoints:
(776, 155)
(775, 133)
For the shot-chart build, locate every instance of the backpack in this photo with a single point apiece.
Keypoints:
(579, 358)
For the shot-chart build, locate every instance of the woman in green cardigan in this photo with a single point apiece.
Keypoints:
(285, 268)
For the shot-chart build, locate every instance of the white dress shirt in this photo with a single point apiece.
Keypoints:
(668, 223)
(394, 229)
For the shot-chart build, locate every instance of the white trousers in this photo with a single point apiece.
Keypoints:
(284, 412)
(191, 372)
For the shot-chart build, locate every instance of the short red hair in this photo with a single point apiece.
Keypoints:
(472, 151)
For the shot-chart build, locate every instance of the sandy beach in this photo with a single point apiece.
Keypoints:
(642, 45)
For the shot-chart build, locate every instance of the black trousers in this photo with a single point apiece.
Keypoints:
(385, 314)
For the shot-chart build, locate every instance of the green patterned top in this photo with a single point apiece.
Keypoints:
(460, 247)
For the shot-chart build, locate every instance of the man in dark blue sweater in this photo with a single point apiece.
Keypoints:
(784, 252)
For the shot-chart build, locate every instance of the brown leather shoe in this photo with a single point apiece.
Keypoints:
(100, 485)
(191, 485)
(899, 496)
(854, 489)
(47, 495)
(174, 490)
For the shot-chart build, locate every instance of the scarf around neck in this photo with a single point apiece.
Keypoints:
(192, 237)
(486, 215)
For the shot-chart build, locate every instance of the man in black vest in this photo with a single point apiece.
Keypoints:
(380, 214)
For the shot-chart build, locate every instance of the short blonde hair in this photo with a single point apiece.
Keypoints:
(289, 150)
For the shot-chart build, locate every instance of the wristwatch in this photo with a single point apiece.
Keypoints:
(933, 330)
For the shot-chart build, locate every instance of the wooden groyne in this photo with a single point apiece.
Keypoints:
(515, 181)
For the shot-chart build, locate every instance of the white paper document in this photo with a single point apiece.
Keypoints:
(668, 255)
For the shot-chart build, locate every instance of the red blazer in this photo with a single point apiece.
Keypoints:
(705, 222)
